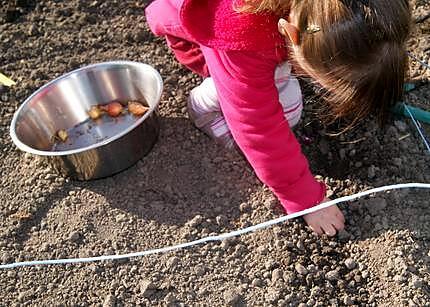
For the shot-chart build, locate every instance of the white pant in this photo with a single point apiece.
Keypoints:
(205, 112)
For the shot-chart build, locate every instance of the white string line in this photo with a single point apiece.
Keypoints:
(416, 123)
(418, 127)
(221, 236)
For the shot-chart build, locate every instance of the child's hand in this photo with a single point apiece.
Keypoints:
(329, 220)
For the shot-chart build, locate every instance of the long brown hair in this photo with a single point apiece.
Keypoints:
(355, 49)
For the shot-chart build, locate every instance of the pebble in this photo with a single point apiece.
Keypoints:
(269, 264)
(315, 291)
(11, 274)
(262, 250)
(350, 263)
(44, 247)
(257, 282)
(300, 245)
(301, 269)
(120, 218)
(244, 207)
(196, 221)
(74, 236)
(347, 300)
(416, 282)
(110, 301)
(200, 270)
(225, 244)
(221, 220)
(270, 203)
(332, 275)
(172, 262)
(277, 275)
(6, 257)
(170, 299)
(147, 288)
(232, 298)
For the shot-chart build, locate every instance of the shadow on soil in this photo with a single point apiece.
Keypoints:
(170, 185)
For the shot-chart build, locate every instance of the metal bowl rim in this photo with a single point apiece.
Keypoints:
(22, 146)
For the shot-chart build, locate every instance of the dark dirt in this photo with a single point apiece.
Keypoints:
(188, 187)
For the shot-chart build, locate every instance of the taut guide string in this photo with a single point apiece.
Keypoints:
(235, 233)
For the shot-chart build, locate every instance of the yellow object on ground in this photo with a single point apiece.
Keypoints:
(6, 81)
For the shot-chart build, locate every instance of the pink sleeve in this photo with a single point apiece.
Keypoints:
(249, 101)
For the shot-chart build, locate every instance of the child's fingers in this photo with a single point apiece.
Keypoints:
(317, 229)
(329, 230)
(338, 224)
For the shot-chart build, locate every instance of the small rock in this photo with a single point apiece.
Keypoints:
(74, 236)
(200, 270)
(347, 300)
(300, 245)
(172, 262)
(196, 221)
(416, 282)
(332, 275)
(170, 299)
(11, 274)
(225, 244)
(350, 263)
(257, 282)
(270, 264)
(262, 250)
(301, 269)
(22, 296)
(277, 275)
(232, 298)
(244, 207)
(221, 220)
(119, 218)
(147, 288)
(270, 203)
(315, 291)
(44, 247)
(110, 301)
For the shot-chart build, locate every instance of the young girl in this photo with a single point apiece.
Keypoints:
(353, 48)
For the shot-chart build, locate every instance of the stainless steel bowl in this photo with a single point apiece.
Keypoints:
(94, 149)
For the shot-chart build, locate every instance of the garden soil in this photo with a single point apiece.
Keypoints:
(188, 187)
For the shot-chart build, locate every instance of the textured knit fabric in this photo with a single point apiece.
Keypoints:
(241, 53)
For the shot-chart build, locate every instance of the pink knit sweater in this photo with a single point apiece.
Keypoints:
(241, 52)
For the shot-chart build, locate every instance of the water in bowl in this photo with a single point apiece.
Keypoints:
(91, 131)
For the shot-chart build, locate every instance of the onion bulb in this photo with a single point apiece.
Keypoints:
(136, 108)
(95, 112)
(114, 109)
(62, 135)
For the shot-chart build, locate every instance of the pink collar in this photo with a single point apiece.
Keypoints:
(215, 23)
